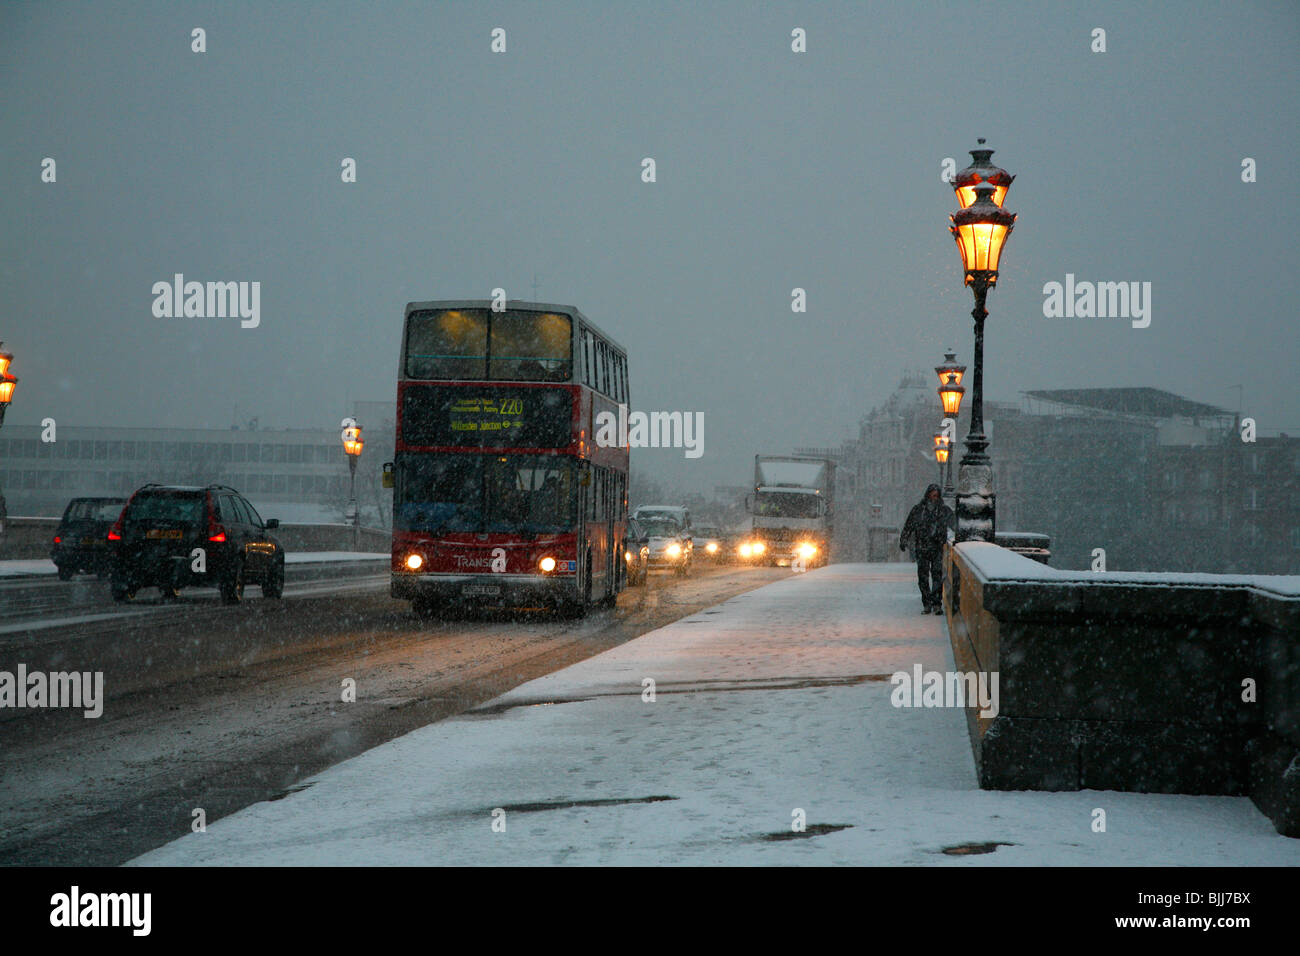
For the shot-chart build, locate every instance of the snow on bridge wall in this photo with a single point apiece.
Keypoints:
(1131, 681)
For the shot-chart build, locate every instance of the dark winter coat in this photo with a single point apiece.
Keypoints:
(926, 528)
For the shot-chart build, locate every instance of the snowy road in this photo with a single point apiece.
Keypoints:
(100, 791)
(771, 707)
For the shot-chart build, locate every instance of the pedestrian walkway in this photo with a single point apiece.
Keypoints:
(769, 738)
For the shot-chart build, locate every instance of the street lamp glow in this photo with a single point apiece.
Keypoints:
(981, 230)
(950, 367)
(981, 170)
(950, 394)
(352, 442)
(941, 448)
(7, 383)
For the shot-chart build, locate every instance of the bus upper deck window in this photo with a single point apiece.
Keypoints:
(530, 347)
(447, 344)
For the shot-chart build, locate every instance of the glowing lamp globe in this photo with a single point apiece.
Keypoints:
(981, 170)
(981, 230)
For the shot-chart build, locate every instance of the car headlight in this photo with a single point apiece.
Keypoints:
(759, 547)
(711, 547)
(547, 564)
(673, 550)
(744, 550)
(807, 550)
(414, 562)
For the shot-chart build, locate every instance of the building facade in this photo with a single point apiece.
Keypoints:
(297, 475)
(1141, 479)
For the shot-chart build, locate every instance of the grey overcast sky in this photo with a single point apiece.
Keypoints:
(776, 170)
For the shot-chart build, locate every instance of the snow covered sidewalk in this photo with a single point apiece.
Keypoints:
(770, 705)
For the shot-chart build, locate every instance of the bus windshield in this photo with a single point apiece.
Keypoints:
(440, 494)
(481, 345)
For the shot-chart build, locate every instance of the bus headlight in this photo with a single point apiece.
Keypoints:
(414, 562)
(807, 550)
(547, 564)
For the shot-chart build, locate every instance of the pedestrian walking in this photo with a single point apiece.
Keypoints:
(926, 530)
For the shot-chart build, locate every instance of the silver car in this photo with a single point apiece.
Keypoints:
(670, 543)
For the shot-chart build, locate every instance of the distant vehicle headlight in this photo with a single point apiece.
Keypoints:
(745, 549)
(547, 563)
(759, 547)
(711, 547)
(673, 550)
(414, 562)
(807, 550)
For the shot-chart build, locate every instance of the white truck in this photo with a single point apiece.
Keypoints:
(793, 510)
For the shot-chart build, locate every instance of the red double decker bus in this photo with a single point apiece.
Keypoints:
(501, 495)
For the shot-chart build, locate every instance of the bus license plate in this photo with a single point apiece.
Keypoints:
(483, 590)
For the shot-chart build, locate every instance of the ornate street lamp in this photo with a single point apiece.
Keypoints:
(7, 383)
(352, 447)
(941, 449)
(950, 367)
(980, 229)
(950, 396)
(981, 170)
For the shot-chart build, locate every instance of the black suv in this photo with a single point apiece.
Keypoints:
(171, 537)
(81, 542)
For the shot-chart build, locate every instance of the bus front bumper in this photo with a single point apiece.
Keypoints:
(500, 589)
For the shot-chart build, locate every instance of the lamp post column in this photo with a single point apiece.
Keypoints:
(976, 500)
